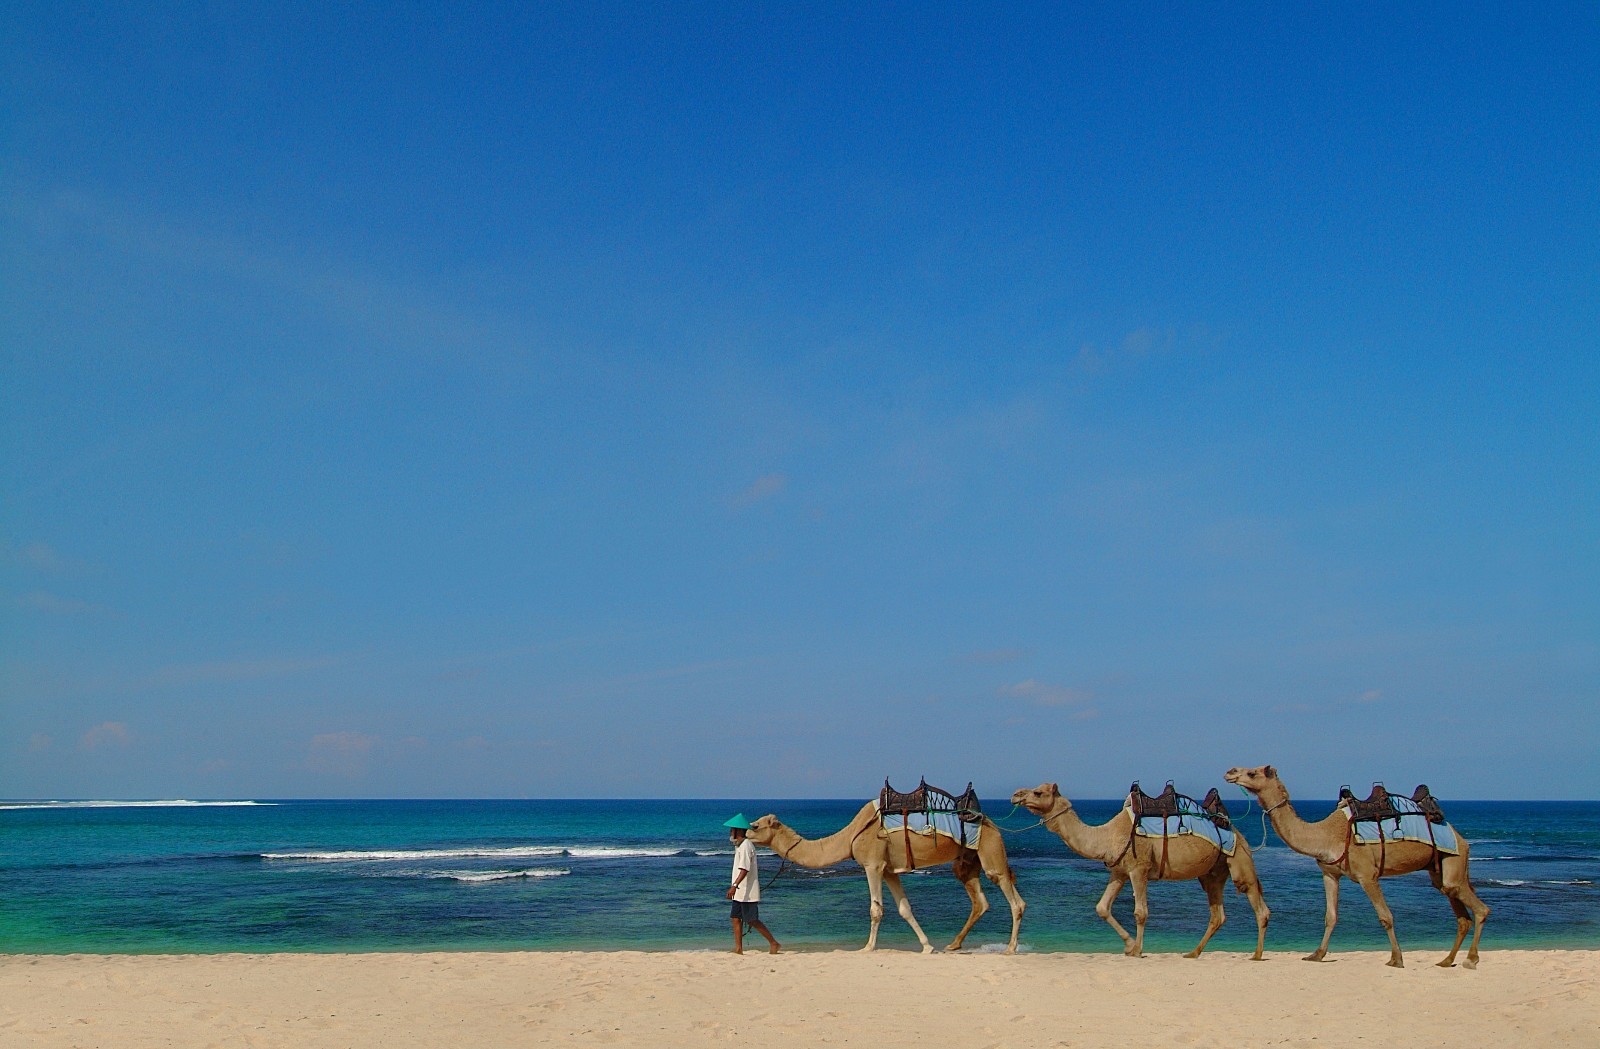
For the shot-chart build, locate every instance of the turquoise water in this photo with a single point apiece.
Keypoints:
(527, 875)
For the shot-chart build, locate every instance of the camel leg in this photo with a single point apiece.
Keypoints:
(1463, 917)
(1242, 866)
(966, 868)
(992, 854)
(1141, 909)
(1114, 886)
(875, 890)
(1374, 893)
(1458, 886)
(904, 906)
(1330, 889)
(1213, 882)
(1480, 914)
(1008, 885)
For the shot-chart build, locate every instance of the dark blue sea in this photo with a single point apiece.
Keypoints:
(539, 875)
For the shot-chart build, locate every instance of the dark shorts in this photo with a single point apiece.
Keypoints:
(746, 912)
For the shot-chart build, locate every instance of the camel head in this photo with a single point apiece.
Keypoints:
(762, 830)
(1254, 780)
(1041, 800)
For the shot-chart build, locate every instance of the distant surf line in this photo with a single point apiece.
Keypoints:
(581, 852)
(173, 803)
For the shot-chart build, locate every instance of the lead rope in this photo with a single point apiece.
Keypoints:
(1249, 800)
(1014, 830)
(778, 874)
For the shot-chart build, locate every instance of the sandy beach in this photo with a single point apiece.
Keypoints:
(1528, 998)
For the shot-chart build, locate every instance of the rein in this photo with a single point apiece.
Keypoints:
(1015, 830)
(1249, 800)
(776, 875)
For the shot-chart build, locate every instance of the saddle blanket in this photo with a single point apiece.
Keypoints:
(1411, 826)
(946, 823)
(1190, 820)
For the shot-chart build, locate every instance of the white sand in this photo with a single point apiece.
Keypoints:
(1521, 999)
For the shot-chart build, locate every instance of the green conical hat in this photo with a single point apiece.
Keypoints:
(738, 823)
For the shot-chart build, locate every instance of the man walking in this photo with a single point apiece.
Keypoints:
(745, 892)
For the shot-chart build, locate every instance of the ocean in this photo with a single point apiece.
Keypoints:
(335, 876)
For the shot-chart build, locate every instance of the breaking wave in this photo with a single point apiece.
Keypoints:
(577, 852)
(175, 803)
(483, 876)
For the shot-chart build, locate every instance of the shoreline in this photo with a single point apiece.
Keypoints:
(887, 998)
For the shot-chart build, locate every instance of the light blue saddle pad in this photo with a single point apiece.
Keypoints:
(1412, 826)
(946, 823)
(1189, 821)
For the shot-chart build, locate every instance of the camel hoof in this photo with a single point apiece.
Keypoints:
(1317, 957)
(953, 947)
(927, 948)
(1396, 963)
(1256, 957)
(1447, 964)
(1471, 963)
(1192, 954)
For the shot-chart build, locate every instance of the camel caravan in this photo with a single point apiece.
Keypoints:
(1169, 837)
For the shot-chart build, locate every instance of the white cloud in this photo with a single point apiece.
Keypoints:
(107, 733)
(236, 670)
(1134, 346)
(38, 743)
(43, 601)
(340, 753)
(1043, 695)
(41, 557)
(1371, 695)
(763, 488)
(992, 656)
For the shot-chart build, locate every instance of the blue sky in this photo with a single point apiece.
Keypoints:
(741, 401)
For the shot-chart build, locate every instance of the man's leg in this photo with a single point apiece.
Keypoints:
(738, 936)
(761, 927)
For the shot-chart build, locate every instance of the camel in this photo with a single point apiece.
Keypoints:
(880, 854)
(1329, 842)
(1185, 857)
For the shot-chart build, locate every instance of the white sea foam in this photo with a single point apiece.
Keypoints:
(474, 876)
(579, 852)
(175, 803)
(607, 852)
(482, 876)
(400, 855)
(997, 948)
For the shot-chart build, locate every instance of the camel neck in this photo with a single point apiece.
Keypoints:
(1095, 842)
(1311, 839)
(823, 852)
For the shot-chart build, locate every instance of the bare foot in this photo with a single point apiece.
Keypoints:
(773, 949)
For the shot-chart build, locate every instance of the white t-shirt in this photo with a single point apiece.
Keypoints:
(744, 859)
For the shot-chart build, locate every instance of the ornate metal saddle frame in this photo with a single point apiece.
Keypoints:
(926, 799)
(1379, 807)
(1169, 805)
